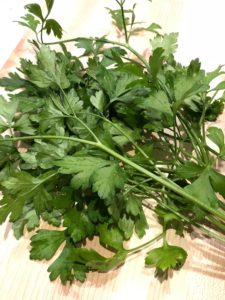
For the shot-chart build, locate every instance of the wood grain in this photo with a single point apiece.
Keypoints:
(203, 275)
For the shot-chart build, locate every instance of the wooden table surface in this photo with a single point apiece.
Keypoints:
(203, 276)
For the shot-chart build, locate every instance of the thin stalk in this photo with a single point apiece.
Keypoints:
(193, 133)
(164, 235)
(121, 131)
(216, 222)
(136, 185)
(175, 142)
(50, 137)
(138, 248)
(162, 180)
(77, 118)
(131, 49)
(193, 139)
(211, 233)
(202, 122)
(106, 41)
(121, 3)
(201, 227)
(42, 26)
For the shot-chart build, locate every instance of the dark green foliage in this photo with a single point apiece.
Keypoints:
(102, 137)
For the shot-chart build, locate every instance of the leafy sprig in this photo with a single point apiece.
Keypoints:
(102, 138)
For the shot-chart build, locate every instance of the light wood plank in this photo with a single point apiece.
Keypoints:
(203, 275)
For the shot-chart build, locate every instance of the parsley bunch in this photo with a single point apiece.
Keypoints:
(104, 136)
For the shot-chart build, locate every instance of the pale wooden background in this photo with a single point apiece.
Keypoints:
(201, 26)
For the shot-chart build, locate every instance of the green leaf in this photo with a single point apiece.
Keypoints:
(29, 219)
(53, 217)
(141, 224)
(157, 101)
(153, 27)
(156, 61)
(165, 215)
(75, 262)
(85, 43)
(29, 21)
(213, 74)
(66, 268)
(105, 78)
(7, 150)
(202, 189)
(187, 86)
(45, 243)
(93, 171)
(216, 135)
(24, 183)
(102, 264)
(133, 205)
(194, 67)
(53, 26)
(110, 237)
(83, 167)
(126, 225)
(168, 42)
(46, 153)
(117, 17)
(220, 86)
(29, 104)
(12, 82)
(107, 180)
(217, 181)
(166, 258)
(23, 124)
(73, 104)
(98, 101)
(120, 133)
(189, 170)
(49, 4)
(7, 113)
(49, 71)
(11, 206)
(24, 186)
(114, 55)
(35, 9)
(78, 225)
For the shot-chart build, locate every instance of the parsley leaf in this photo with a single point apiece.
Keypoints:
(95, 172)
(166, 258)
(49, 71)
(7, 113)
(78, 224)
(52, 25)
(203, 189)
(110, 237)
(168, 43)
(45, 243)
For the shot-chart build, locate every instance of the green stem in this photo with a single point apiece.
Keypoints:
(50, 137)
(121, 3)
(211, 233)
(216, 222)
(131, 49)
(76, 117)
(199, 226)
(193, 138)
(136, 185)
(42, 26)
(106, 41)
(163, 180)
(138, 248)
